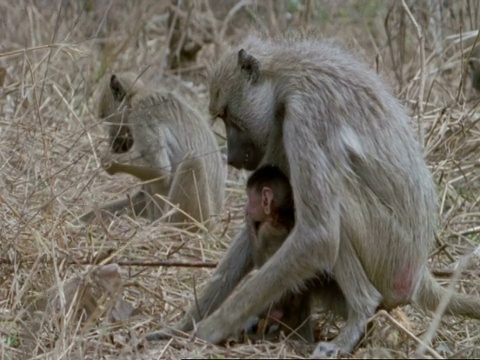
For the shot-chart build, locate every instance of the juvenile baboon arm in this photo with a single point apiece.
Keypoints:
(137, 203)
(144, 173)
(331, 298)
(236, 263)
(190, 191)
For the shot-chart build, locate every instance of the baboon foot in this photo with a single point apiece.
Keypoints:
(211, 331)
(91, 216)
(163, 334)
(258, 329)
(327, 350)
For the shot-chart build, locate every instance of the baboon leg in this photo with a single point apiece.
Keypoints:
(295, 311)
(331, 298)
(361, 299)
(190, 192)
(298, 311)
(136, 203)
(297, 321)
(282, 273)
(236, 263)
(158, 182)
(298, 318)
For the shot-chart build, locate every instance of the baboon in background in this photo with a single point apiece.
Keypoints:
(365, 201)
(270, 216)
(174, 150)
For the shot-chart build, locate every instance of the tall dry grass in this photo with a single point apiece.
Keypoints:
(53, 55)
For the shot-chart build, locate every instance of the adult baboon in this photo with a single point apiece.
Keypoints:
(365, 202)
(175, 151)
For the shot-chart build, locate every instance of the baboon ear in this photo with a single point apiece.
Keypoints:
(118, 91)
(267, 199)
(249, 65)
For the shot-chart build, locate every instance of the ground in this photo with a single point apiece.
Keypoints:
(53, 54)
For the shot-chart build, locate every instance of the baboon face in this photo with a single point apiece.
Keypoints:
(242, 152)
(255, 210)
(121, 138)
(244, 100)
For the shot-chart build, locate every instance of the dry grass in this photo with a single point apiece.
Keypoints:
(51, 146)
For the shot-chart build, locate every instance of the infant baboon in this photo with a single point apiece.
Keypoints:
(175, 152)
(270, 216)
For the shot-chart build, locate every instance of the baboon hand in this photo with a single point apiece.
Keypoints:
(257, 329)
(163, 334)
(213, 330)
(327, 350)
(109, 166)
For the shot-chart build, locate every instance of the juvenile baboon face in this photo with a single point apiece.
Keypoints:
(244, 100)
(258, 207)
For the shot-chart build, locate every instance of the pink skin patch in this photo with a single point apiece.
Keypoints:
(275, 315)
(404, 284)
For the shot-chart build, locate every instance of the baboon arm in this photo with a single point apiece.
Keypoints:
(236, 263)
(136, 202)
(314, 174)
(190, 191)
(144, 173)
(286, 270)
(311, 247)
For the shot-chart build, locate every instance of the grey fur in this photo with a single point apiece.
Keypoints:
(365, 201)
(177, 154)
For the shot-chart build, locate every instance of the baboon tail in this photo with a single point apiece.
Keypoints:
(430, 293)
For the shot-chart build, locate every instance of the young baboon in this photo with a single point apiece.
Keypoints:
(176, 151)
(365, 201)
(270, 217)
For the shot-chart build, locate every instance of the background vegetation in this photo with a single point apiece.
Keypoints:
(53, 55)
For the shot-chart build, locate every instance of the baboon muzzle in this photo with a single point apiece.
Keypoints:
(122, 140)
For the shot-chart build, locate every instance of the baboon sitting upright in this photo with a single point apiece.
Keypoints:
(365, 201)
(176, 151)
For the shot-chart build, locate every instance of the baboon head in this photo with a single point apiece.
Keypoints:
(244, 98)
(269, 196)
(115, 97)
